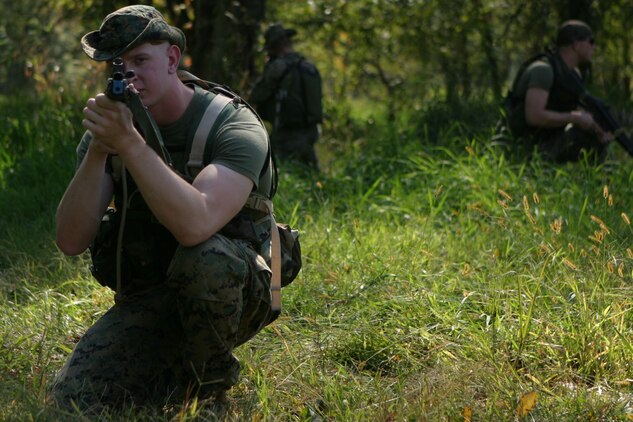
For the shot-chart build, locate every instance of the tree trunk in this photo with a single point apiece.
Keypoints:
(582, 10)
(626, 64)
(484, 26)
(223, 40)
(463, 62)
(450, 80)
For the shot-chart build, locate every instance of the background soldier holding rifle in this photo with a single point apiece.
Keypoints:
(546, 106)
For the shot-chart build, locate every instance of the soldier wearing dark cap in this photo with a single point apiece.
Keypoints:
(190, 289)
(542, 113)
(288, 95)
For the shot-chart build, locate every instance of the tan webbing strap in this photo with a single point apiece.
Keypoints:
(266, 205)
(212, 112)
(275, 257)
(195, 164)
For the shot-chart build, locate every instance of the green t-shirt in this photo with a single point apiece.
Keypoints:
(538, 74)
(237, 140)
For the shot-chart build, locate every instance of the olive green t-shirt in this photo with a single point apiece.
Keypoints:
(538, 74)
(237, 140)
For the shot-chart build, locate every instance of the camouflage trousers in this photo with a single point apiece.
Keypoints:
(297, 145)
(177, 338)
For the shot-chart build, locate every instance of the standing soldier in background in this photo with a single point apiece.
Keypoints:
(288, 95)
(542, 109)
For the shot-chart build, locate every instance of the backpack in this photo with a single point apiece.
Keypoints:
(299, 98)
(282, 253)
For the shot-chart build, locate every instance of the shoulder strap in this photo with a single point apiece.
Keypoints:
(254, 201)
(196, 156)
(290, 65)
(265, 205)
(568, 79)
(218, 89)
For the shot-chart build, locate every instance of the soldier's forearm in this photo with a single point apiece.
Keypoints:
(80, 210)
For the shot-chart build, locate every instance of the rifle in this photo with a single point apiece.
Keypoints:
(599, 110)
(117, 90)
(602, 115)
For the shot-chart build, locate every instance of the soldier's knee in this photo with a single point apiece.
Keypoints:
(215, 255)
(211, 265)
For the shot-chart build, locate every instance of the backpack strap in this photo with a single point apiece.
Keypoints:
(256, 202)
(196, 156)
(263, 204)
(188, 78)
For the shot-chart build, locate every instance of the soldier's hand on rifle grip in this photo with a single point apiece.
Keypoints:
(604, 137)
(582, 119)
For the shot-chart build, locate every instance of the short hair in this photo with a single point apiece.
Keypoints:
(571, 31)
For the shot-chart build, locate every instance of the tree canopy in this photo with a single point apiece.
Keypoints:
(404, 53)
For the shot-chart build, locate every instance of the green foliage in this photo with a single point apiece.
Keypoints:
(46, 298)
(407, 54)
(37, 141)
(402, 55)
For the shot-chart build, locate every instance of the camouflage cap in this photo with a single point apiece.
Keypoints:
(276, 32)
(128, 28)
(571, 31)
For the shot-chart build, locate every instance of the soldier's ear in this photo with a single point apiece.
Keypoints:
(173, 54)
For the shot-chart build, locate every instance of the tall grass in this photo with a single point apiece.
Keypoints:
(440, 280)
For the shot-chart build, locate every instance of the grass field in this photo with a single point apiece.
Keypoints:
(440, 282)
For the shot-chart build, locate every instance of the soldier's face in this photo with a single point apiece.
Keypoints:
(152, 64)
(585, 49)
(276, 49)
